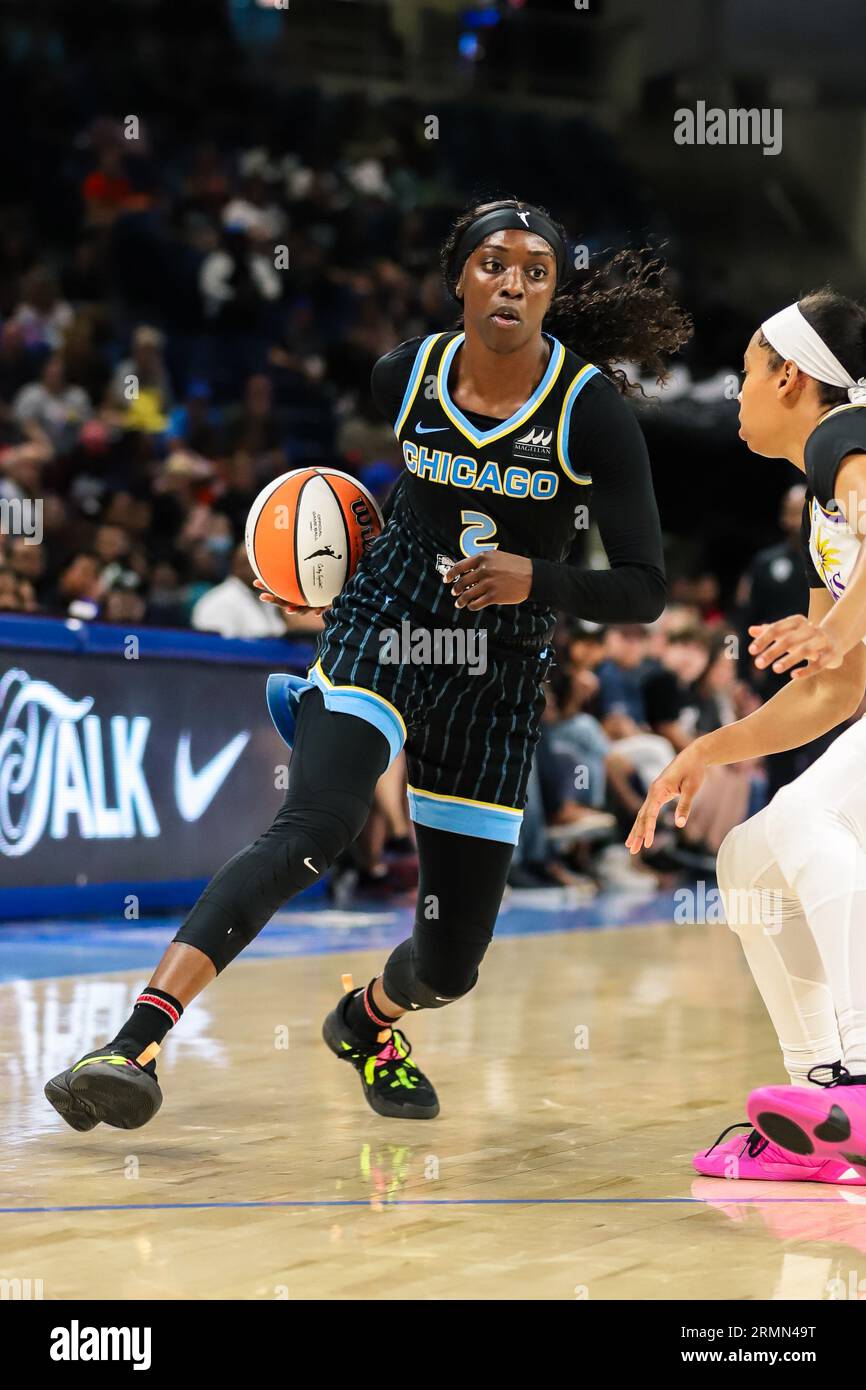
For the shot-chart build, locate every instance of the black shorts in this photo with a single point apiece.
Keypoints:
(462, 696)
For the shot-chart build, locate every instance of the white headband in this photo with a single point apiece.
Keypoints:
(794, 338)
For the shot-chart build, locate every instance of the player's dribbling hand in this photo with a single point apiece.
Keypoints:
(681, 778)
(491, 576)
(790, 640)
(267, 597)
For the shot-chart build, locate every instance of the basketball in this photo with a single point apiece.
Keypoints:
(307, 531)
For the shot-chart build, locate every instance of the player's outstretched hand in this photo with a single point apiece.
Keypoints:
(790, 640)
(267, 597)
(681, 778)
(491, 576)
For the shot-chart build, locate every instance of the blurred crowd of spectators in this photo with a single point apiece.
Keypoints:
(197, 316)
(209, 320)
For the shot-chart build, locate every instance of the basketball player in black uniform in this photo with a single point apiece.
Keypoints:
(505, 428)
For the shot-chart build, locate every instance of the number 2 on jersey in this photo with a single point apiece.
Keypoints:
(477, 529)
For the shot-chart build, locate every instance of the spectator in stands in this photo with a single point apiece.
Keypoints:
(16, 593)
(233, 608)
(719, 695)
(139, 394)
(28, 562)
(670, 699)
(238, 284)
(165, 603)
(123, 604)
(52, 403)
(578, 746)
(619, 703)
(255, 430)
(773, 586)
(196, 423)
(21, 466)
(107, 190)
(42, 315)
(80, 590)
(17, 362)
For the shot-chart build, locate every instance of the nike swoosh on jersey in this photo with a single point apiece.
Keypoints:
(310, 866)
(194, 791)
(429, 429)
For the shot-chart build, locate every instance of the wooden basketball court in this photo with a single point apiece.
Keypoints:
(575, 1084)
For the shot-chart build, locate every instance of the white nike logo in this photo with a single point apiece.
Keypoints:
(194, 791)
(524, 217)
(429, 429)
(310, 866)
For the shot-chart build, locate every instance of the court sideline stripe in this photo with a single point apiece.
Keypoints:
(430, 1202)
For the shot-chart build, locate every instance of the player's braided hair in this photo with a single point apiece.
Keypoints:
(622, 312)
(841, 322)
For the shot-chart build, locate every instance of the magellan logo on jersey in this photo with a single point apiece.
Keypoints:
(535, 443)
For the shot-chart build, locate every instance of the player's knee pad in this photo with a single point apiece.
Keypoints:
(403, 984)
(246, 893)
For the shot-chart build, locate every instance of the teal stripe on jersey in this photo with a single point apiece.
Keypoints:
(413, 379)
(573, 393)
(482, 436)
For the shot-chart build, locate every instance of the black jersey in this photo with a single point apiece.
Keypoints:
(830, 544)
(526, 484)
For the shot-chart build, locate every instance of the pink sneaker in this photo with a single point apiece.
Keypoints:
(753, 1157)
(814, 1124)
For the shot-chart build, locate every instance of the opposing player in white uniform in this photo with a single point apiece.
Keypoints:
(793, 877)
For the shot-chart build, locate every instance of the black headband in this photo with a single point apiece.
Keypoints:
(507, 219)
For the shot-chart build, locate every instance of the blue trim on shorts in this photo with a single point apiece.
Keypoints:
(282, 693)
(364, 704)
(464, 817)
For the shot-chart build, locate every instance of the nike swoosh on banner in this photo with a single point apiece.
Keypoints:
(429, 429)
(194, 791)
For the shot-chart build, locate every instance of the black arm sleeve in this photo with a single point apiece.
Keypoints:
(390, 376)
(607, 440)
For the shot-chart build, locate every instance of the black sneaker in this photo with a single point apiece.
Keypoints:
(392, 1083)
(107, 1085)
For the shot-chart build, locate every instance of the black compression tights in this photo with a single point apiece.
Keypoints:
(336, 763)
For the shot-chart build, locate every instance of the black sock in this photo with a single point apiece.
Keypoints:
(358, 1015)
(154, 1013)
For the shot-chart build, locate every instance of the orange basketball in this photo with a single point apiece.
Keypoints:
(307, 531)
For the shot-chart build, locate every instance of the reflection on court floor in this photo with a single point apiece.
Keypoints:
(603, 1045)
